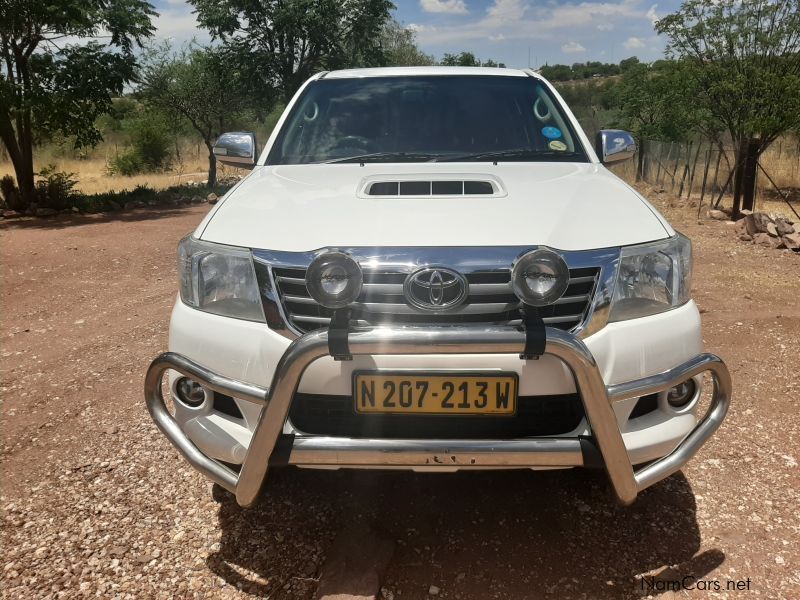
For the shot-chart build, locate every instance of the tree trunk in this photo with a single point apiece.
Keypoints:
(212, 167)
(20, 151)
(738, 163)
(749, 168)
(640, 163)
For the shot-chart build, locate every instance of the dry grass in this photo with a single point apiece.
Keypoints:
(93, 177)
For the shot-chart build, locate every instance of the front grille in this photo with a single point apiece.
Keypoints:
(490, 301)
(536, 416)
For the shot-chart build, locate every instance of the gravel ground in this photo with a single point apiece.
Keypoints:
(96, 502)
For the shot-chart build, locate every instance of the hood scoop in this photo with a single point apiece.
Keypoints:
(441, 187)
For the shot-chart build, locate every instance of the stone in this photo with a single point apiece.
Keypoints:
(772, 230)
(745, 237)
(766, 240)
(212, 198)
(745, 212)
(433, 591)
(718, 215)
(76, 210)
(46, 212)
(197, 200)
(750, 225)
(11, 214)
(783, 227)
(792, 240)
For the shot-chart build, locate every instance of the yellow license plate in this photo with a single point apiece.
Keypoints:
(435, 393)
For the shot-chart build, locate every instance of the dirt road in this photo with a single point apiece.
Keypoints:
(96, 503)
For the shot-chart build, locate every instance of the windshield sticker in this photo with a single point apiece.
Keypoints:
(552, 133)
(557, 145)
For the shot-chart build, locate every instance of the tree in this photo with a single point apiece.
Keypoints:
(199, 84)
(743, 60)
(281, 43)
(463, 59)
(400, 46)
(49, 86)
(653, 105)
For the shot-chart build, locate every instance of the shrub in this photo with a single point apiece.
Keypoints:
(150, 149)
(55, 189)
(10, 193)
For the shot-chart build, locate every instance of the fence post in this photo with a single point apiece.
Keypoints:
(694, 168)
(705, 176)
(685, 168)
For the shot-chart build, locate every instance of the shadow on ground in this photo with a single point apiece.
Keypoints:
(512, 534)
(64, 221)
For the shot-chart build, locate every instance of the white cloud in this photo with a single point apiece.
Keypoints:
(506, 11)
(632, 43)
(605, 27)
(651, 14)
(497, 38)
(453, 7)
(572, 48)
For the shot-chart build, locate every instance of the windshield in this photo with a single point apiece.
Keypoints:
(431, 118)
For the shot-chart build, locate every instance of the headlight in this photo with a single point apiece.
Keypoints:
(540, 277)
(652, 278)
(219, 279)
(334, 279)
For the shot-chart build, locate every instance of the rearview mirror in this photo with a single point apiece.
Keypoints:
(236, 148)
(614, 145)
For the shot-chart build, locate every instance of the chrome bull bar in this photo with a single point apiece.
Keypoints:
(597, 401)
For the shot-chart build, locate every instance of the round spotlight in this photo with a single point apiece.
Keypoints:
(190, 392)
(334, 279)
(680, 395)
(540, 277)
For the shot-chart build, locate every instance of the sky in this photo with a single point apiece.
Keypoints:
(518, 33)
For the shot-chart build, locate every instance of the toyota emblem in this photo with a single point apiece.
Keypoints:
(435, 289)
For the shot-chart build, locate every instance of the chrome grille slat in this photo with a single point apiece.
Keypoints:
(490, 300)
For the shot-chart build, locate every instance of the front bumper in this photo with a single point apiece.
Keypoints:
(604, 446)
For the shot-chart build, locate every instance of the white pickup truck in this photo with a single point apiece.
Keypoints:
(432, 269)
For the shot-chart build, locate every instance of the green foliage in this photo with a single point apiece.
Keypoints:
(281, 43)
(655, 103)
(579, 71)
(150, 148)
(55, 189)
(462, 59)
(741, 59)
(400, 47)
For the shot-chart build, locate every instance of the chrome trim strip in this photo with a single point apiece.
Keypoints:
(597, 400)
(323, 450)
(466, 260)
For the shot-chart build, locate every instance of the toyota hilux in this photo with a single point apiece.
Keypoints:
(432, 268)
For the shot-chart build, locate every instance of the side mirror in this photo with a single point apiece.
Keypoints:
(614, 145)
(236, 148)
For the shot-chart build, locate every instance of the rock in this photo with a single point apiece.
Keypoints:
(766, 240)
(792, 241)
(185, 200)
(212, 198)
(745, 238)
(433, 591)
(152, 203)
(718, 215)
(783, 227)
(197, 200)
(772, 230)
(112, 429)
(11, 214)
(75, 209)
(46, 212)
(136, 204)
(745, 212)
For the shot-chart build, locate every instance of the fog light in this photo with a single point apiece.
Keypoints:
(190, 392)
(681, 394)
(334, 279)
(540, 277)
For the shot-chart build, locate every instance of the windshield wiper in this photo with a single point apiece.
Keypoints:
(383, 157)
(518, 153)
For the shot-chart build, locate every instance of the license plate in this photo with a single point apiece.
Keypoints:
(380, 392)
